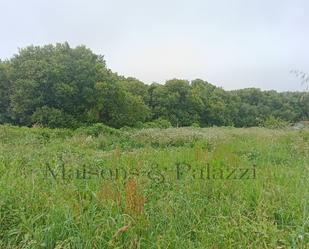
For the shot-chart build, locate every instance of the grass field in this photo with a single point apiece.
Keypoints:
(98, 187)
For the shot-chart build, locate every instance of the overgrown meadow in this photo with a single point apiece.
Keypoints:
(99, 187)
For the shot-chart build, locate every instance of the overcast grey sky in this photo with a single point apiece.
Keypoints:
(230, 43)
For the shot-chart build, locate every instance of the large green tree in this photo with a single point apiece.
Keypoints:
(4, 93)
(57, 77)
(117, 107)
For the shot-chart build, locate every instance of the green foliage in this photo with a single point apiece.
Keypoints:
(158, 123)
(52, 117)
(97, 129)
(174, 101)
(192, 211)
(272, 122)
(118, 108)
(56, 77)
(195, 125)
(4, 93)
(60, 86)
(304, 106)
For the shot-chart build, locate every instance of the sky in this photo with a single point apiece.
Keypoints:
(230, 43)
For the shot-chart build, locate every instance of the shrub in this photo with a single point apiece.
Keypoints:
(158, 123)
(96, 129)
(272, 122)
(195, 125)
(52, 118)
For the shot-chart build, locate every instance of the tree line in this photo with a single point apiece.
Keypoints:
(60, 86)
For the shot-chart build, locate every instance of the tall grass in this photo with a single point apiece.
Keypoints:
(139, 209)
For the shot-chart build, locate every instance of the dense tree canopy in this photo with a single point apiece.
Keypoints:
(4, 92)
(60, 86)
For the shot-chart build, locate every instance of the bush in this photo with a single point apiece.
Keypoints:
(272, 122)
(195, 125)
(53, 118)
(158, 123)
(96, 129)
